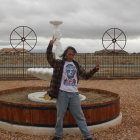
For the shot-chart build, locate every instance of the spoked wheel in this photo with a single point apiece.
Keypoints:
(114, 39)
(23, 37)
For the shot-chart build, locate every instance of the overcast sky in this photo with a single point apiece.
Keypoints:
(84, 22)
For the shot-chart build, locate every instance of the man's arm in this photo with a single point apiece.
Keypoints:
(88, 75)
(49, 54)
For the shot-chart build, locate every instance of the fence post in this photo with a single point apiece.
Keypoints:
(85, 62)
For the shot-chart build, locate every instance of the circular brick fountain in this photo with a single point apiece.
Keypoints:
(100, 107)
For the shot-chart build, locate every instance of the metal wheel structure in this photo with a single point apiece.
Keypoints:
(114, 39)
(23, 37)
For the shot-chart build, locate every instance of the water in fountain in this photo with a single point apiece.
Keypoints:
(57, 35)
(41, 73)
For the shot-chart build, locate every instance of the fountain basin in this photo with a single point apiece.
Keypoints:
(44, 114)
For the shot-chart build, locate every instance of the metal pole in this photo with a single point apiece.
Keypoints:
(114, 41)
(23, 59)
(85, 62)
(23, 51)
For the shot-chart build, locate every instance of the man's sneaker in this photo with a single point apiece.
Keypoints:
(88, 139)
(56, 138)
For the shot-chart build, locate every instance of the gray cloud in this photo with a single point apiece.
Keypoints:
(82, 19)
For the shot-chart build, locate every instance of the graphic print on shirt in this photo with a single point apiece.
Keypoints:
(70, 75)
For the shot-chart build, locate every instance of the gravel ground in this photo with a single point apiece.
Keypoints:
(129, 91)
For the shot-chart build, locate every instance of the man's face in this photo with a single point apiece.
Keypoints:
(70, 55)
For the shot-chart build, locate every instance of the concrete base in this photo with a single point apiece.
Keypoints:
(39, 97)
(50, 131)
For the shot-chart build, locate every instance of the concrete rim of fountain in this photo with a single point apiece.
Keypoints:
(33, 130)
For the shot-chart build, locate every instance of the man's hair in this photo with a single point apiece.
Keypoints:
(65, 52)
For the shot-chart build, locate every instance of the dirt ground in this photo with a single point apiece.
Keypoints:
(129, 91)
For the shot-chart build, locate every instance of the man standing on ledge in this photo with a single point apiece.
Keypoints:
(63, 86)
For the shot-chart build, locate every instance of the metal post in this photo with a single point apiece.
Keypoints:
(23, 51)
(85, 62)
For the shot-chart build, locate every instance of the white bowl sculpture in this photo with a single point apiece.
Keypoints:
(46, 73)
(41, 73)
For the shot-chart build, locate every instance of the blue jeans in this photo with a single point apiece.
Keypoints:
(72, 100)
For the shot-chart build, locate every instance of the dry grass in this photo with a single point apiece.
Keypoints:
(129, 91)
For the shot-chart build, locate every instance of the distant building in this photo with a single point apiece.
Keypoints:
(111, 52)
(12, 51)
